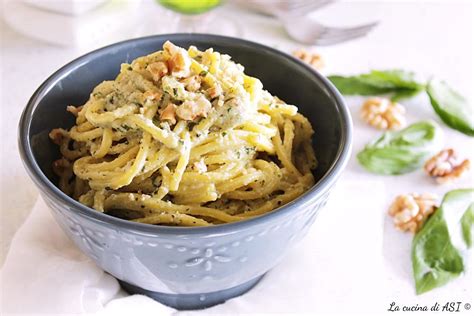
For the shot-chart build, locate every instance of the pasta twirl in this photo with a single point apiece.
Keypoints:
(184, 137)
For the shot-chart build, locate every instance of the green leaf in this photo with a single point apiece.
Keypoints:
(404, 94)
(394, 79)
(467, 221)
(436, 257)
(403, 151)
(355, 86)
(401, 84)
(451, 107)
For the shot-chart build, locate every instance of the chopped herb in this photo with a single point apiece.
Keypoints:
(175, 92)
(229, 109)
(203, 73)
(181, 141)
(224, 133)
(130, 68)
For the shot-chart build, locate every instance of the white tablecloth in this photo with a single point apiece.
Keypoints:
(46, 273)
(412, 36)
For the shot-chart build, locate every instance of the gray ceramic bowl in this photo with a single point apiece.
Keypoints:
(187, 268)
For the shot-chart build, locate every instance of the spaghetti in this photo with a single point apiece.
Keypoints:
(184, 137)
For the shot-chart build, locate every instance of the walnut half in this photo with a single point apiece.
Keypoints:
(313, 59)
(383, 113)
(410, 211)
(445, 166)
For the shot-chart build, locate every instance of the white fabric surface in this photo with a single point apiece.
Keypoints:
(46, 273)
(408, 38)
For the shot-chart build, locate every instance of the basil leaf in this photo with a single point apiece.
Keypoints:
(404, 94)
(402, 151)
(356, 86)
(467, 221)
(401, 83)
(451, 107)
(394, 79)
(437, 257)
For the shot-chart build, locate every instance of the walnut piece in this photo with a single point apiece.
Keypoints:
(312, 58)
(192, 83)
(151, 95)
(445, 166)
(157, 70)
(169, 113)
(410, 211)
(189, 110)
(179, 61)
(383, 113)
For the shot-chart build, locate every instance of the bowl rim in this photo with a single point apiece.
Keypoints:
(47, 187)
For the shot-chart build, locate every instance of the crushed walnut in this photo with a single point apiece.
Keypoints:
(178, 62)
(169, 113)
(157, 70)
(446, 166)
(383, 113)
(192, 83)
(191, 109)
(312, 58)
(151, 95)
(410, 211)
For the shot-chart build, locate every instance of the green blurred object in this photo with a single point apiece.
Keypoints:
(190, 6)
